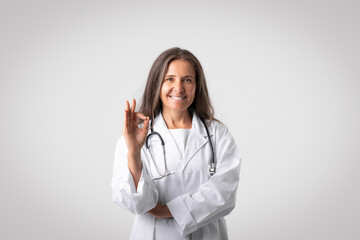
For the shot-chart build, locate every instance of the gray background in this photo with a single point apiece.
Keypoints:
(283, 76)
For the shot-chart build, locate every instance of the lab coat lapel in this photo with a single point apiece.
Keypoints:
(197, 139)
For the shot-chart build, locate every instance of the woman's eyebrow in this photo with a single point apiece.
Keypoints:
(186, 76)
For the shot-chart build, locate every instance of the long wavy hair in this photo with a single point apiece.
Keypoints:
(151, 103)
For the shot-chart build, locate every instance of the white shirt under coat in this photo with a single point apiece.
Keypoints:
(197, 202)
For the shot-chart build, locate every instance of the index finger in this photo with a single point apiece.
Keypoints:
(140, 115)
(133, 106)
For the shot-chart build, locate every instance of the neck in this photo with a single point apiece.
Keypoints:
(177, 119)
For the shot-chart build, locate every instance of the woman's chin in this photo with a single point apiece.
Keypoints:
(176, 108)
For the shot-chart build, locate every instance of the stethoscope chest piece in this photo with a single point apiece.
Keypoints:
(212, 169)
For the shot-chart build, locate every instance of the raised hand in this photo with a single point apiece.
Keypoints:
(134, 136)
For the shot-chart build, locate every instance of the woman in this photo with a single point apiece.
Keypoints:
(175, 190)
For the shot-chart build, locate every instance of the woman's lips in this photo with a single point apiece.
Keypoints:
(177, 97)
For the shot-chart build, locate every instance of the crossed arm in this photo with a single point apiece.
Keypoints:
(161, 211)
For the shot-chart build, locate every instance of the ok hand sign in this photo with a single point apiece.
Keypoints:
(134, 136)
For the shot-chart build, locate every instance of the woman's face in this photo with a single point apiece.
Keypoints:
(178, 87)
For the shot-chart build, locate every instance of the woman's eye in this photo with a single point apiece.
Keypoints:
(169, 79)
(188, 80)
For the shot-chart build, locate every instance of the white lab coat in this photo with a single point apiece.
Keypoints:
(197, 202)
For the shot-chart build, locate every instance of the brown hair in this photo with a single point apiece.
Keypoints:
(151, 104)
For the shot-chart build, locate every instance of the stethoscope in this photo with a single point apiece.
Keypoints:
(212, 167)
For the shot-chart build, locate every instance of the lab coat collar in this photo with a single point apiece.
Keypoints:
(197, 126)
(197, 137)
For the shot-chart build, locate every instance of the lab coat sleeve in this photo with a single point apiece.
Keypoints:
(137, 201)
(214, 198)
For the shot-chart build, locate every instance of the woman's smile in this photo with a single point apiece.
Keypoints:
(177, 97)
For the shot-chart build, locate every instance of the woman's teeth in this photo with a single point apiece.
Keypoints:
(177, 98)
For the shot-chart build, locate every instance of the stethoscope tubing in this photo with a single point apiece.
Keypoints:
(212, 167)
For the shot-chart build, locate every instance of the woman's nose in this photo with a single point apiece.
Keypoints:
(178, 86)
